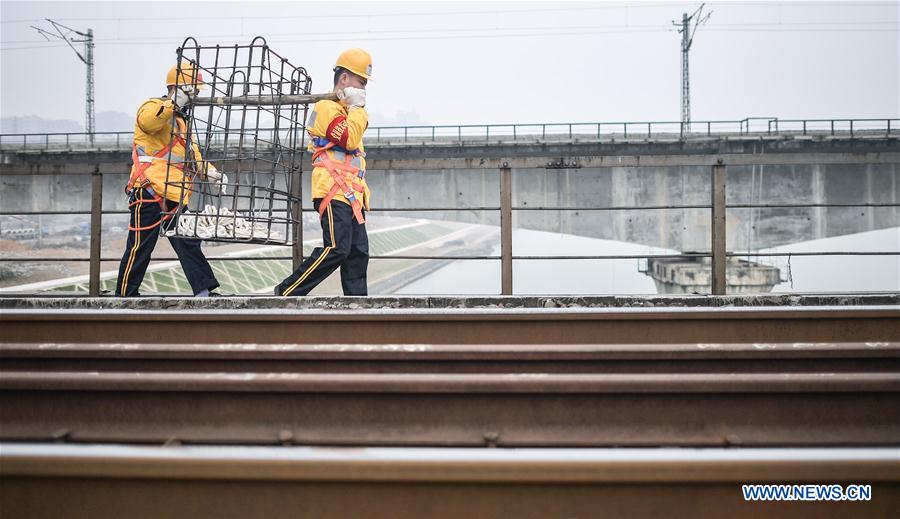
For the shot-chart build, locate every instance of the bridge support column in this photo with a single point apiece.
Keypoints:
(718, 229)
(506, 268)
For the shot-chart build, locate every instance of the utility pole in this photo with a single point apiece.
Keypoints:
(88, 58)
(687, 38)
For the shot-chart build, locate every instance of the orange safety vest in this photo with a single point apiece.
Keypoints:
(141, 163)
(344, 175)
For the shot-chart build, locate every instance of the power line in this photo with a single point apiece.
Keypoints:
(386, 15)
(176, 40)
(379, 32)
(598, 29)
(366, 38)
(643, 5)
(467, 29)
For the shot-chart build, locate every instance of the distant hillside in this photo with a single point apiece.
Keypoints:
(115, 122)
(33, 124)
(105, 122)
(122, 122)
(410, 118)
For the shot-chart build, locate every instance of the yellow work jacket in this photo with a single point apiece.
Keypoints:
(330, 120)
(153, 132)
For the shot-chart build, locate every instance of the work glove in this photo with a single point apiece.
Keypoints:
(221, 179)
(352, 97)
(182, 98)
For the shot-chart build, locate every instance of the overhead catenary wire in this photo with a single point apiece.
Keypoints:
(487, 34)
(629, 27)
(640, 5)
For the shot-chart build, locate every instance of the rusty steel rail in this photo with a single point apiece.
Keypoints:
(500, 409)
(600, 376)
(877, 323)
(430, 383)
(105, 357)
(76, 481)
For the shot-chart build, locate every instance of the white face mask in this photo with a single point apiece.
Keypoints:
(183, 97)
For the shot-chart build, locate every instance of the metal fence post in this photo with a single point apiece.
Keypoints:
(96, 228)
(718, 229)
(506, 267)
(297, 215)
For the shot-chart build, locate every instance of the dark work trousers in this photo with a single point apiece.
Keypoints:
(346, 245)
(141, 243)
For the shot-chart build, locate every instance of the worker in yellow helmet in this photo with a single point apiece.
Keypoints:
(160, 173)
(339, 190)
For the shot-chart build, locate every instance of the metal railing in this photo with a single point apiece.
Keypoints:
(634, 130)
(717, 253)
(751, 126)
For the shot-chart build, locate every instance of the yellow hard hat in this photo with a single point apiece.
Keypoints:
(357, 61)
(185, 77)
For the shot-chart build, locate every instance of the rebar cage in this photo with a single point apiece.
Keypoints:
(258, 148)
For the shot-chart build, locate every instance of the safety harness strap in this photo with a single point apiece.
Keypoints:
(141, 163)
(338, 171)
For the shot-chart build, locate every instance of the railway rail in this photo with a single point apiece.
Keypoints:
(584, 377)
(503, 409)
(130, 481)
(143, 357)
(271, 408)
(655, 325)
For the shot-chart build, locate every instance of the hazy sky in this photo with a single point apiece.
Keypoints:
(484, 62)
